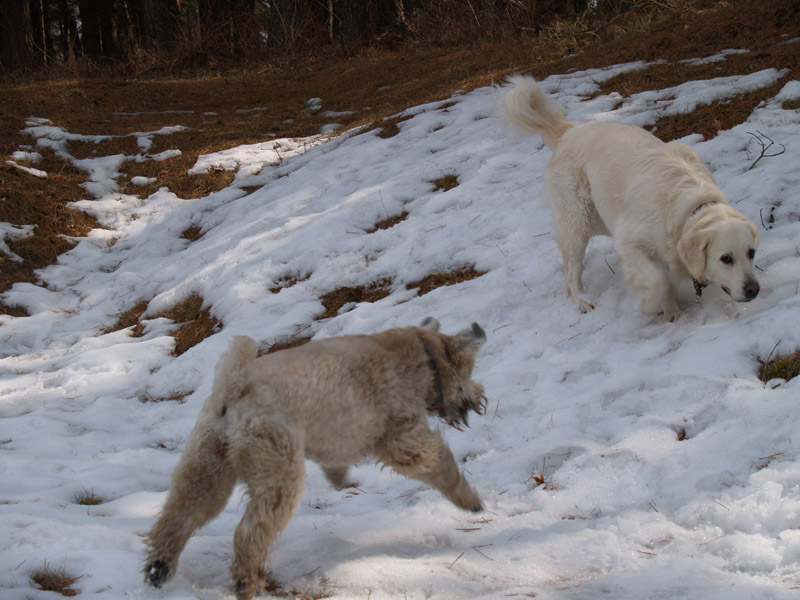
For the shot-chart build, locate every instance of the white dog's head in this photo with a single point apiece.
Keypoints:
(718, 248)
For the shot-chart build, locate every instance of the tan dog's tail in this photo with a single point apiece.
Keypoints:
(230, 375)
(527, 108)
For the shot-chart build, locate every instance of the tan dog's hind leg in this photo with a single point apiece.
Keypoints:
(201, 485)
(422, 454)
(269, 458)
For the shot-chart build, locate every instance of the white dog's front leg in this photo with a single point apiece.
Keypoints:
(645, 274)
(660, 302)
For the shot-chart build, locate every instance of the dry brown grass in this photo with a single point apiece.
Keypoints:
(88, 498)
(192, 233)
(293, 342)
(106, 147)
(288, 281)
(388, 127)
(49, 579)
(43, 202)
(173, 173)
(179, 397)
(388, 222)
(196, 323)
(130, 318)
(540, 477)
(444, 183)
(437, 280)
(334, 301)
(674, 72)
(216, 107)
(785, 366)
(719, 115)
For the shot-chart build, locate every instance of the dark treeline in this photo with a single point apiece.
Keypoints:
(36, 34)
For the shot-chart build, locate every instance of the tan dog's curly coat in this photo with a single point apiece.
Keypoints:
(336, 401)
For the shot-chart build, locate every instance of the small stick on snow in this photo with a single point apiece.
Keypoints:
(457, 557)
(481, 553)
(760, 137)
(721, 504)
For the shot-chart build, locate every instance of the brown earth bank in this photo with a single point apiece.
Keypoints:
(258, 101)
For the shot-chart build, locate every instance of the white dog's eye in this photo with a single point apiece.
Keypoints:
(751, 254)
(727, 259)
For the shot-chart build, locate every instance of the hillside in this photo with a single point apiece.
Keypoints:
(620, 456)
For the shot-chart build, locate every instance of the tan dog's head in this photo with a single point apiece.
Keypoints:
(718, 248)
(452, 361)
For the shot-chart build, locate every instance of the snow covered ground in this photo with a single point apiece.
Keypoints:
(620, 457)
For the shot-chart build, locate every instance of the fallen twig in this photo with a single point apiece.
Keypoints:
(457, 557)
(760, 137)
(481, 553)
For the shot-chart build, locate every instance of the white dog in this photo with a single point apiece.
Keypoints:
(668, 218)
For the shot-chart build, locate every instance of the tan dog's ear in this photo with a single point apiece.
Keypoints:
(472, 338)
(430, 323)
(692, 250)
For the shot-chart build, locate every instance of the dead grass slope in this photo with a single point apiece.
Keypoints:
(257, 101)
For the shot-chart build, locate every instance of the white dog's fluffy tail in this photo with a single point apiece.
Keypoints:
(527, 108)
(230, 375)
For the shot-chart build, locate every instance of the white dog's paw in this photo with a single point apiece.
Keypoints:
(669, 311)
(583, 304)
(656, 302)
(671, 315)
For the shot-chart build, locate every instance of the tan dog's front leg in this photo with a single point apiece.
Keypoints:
(337, 476)
(422, 454)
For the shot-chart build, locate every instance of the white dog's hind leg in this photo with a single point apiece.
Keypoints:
(269, 458)
(574, 220)
(572, 252)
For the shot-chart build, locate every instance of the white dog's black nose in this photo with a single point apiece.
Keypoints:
(751, 289)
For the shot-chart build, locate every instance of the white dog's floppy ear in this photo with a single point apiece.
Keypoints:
(692, 250)
(472, 338)
(430, 323)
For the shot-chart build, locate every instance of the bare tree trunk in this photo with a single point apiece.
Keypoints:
(330, 21)
(90, 28)
(108, 36)
(17, 49)
(43, 19)
(157, 22)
